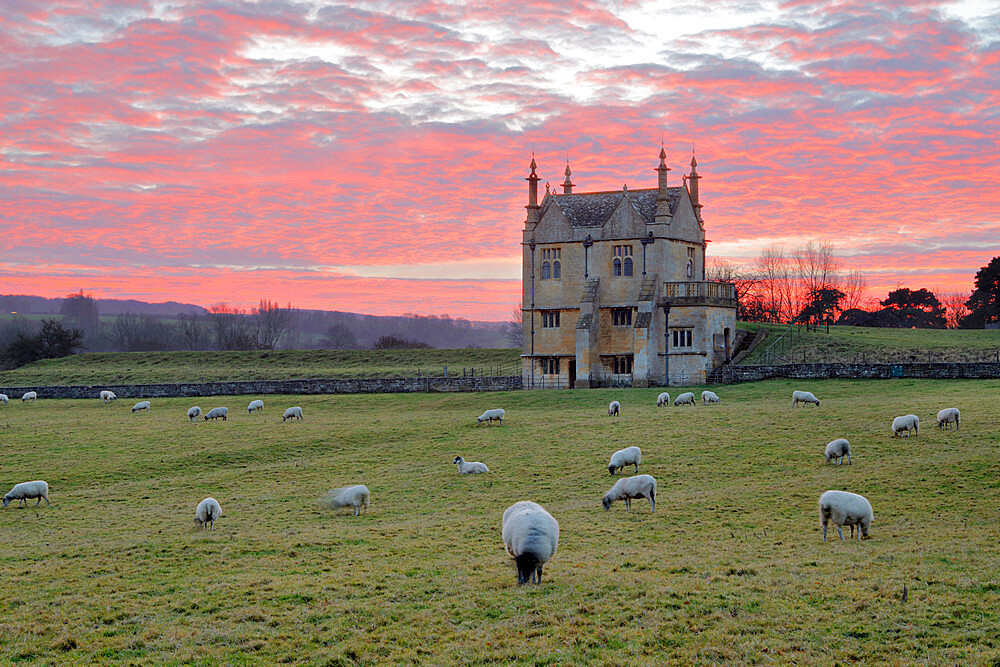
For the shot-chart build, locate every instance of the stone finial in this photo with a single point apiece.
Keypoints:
(692, 185)
(532, 206)
(663, 215)
(568, 183)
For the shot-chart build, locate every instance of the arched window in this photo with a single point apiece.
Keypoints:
(546, 270)
(616, 267)
(556, 270)
(628, 266)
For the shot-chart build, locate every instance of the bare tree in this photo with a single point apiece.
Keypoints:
(272, 323)
(776, 288)
(955, 307)
(231, 327)
(854, 285)
(513, 328)
(139, 333)
(745, 279)
(339, 337)
(192, 331)
(817, 270)
(80, 310)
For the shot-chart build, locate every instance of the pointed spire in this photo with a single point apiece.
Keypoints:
(692, 185)
(663, 215)
(532, 206)
(568, 183)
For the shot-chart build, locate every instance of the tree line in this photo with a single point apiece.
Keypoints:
(266, 326)
(810, 285)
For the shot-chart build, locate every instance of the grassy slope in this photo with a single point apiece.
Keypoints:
(729, 568)
(875, 345)
(140, 367)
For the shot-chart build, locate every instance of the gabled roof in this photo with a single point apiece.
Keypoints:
(592, 209)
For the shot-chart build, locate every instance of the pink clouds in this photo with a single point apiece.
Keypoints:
(254, 149)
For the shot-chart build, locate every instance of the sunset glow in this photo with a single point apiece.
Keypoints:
(371, 158)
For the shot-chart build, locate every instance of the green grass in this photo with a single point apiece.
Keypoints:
(731, 568)
(877, 345)
(150, 367)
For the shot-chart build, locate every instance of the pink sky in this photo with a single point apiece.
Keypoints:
(371, 159)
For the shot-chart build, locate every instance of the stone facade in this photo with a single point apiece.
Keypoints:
(614, 291)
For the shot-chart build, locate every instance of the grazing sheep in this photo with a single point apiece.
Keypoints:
(846, 509)
(29, 396)
(141, 405)
(217, 413)
(627, 488)
(292, 413)
(949, 416)
(531, 536)
(687, 398)
(4, 399)
(207, 513)
(625, 457)
(26, 490)
(255, 406)
(108, 396)
(356, 496)
(662, 399)
(906, 423)
(469, 467)
(710, 397)
(614, 408)
(804, 397)
(194, 413)
(496, 413)
(838, 449)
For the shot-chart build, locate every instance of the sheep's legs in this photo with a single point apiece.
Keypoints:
(824, 531)
(840, 530)
(637, 467)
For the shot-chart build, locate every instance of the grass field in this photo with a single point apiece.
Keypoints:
(149, 367)
(731, 567)
(878, 345)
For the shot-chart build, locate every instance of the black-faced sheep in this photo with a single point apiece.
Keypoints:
(639, 486)
(531, 536)
(845, 509)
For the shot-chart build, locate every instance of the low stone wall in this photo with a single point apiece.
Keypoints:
(945, 371)
(260, 387)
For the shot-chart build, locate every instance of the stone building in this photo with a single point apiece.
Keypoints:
(614, 290)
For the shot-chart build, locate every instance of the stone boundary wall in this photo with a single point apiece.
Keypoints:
(944, 371)
(261, 387)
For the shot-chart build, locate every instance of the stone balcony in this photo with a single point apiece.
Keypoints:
(698, 293)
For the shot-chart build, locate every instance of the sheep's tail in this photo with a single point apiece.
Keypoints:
(332, 498)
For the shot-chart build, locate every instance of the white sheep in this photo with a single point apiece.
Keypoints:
(29, 396)
(141, 405)
(207, 513)
(4, 399)
(906, 423)
(627, 488)
(804, 397)
(838, 449)
(255, 406)
(949, 416)
(217, 413)
(292, 413)
(26, 490)
(845, 509)
(614, 408)
(625, 457)
(710, 397)
(357, 496)
(531, 536)
(496, 413)
(469, 467)
(194, 412)
(662, 399)
(108, 396)
(687, 398)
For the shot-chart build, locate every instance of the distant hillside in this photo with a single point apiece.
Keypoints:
(39, 305)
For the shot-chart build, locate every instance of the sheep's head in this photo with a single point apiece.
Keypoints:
(611, 470)
(458, 459)
(6, 501)
(606, 501)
